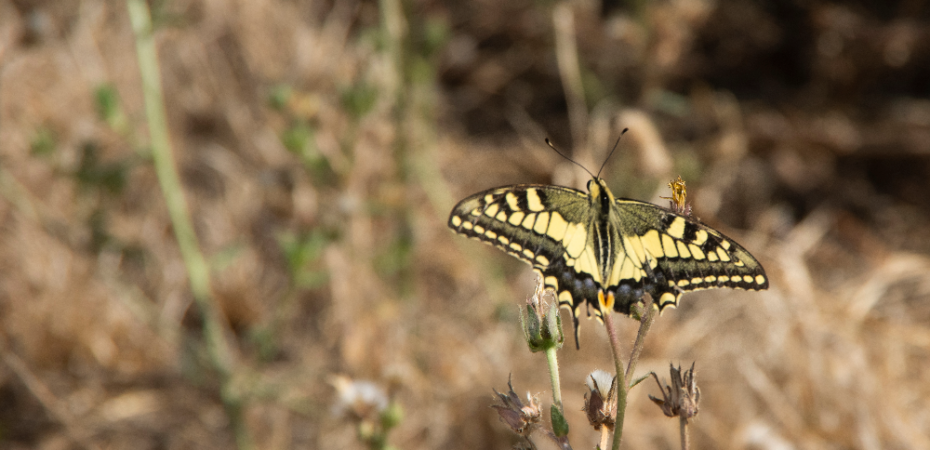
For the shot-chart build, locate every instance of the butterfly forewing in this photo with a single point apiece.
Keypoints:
(521, 220)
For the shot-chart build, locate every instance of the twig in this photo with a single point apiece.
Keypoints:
(644, 325)
(621, 378)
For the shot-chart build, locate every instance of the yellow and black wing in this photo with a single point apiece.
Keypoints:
(670, 254)
(522, 220)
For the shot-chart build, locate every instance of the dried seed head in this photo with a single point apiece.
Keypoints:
(682, 397)
(521, 418)
(599, 403)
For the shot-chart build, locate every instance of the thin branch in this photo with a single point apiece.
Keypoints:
(621, 379)
(644, 325)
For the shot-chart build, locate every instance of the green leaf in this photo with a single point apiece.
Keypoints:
(559, 424)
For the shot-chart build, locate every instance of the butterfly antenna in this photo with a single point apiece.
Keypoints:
(566, 157)
(611, 151)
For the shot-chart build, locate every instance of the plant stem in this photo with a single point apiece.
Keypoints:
(644, 325)
(621, 378)
(683, 422)
(163, 159)
(605, 435)
(214, 326)
(553, 360)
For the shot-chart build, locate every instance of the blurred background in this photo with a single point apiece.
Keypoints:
(322, 144)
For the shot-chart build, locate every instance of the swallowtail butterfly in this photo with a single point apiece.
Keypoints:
(592, 248)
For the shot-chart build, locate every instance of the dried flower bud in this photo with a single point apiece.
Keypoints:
(521, 418)
(542, 325)
(677, 202)
(682, 397)
(599, 402)
(362, 399)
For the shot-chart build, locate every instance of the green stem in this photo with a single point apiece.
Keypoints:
(168, 178)
(553, 360)
(620, 383)
(644, 325)
(198, 271)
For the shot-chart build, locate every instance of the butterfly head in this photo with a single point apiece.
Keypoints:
(601, 197)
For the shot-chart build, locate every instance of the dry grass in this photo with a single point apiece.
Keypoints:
(802, 133)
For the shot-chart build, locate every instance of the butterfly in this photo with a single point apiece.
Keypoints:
(605, 252)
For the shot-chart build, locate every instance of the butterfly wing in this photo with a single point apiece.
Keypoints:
(678, 254)
(546, 226)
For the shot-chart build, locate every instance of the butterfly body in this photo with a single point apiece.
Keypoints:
(597, 250)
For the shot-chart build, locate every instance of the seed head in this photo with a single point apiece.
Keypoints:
(599, 402)
(682, 397)
(521, 418)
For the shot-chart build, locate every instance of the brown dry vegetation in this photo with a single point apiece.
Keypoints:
(322, 145)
